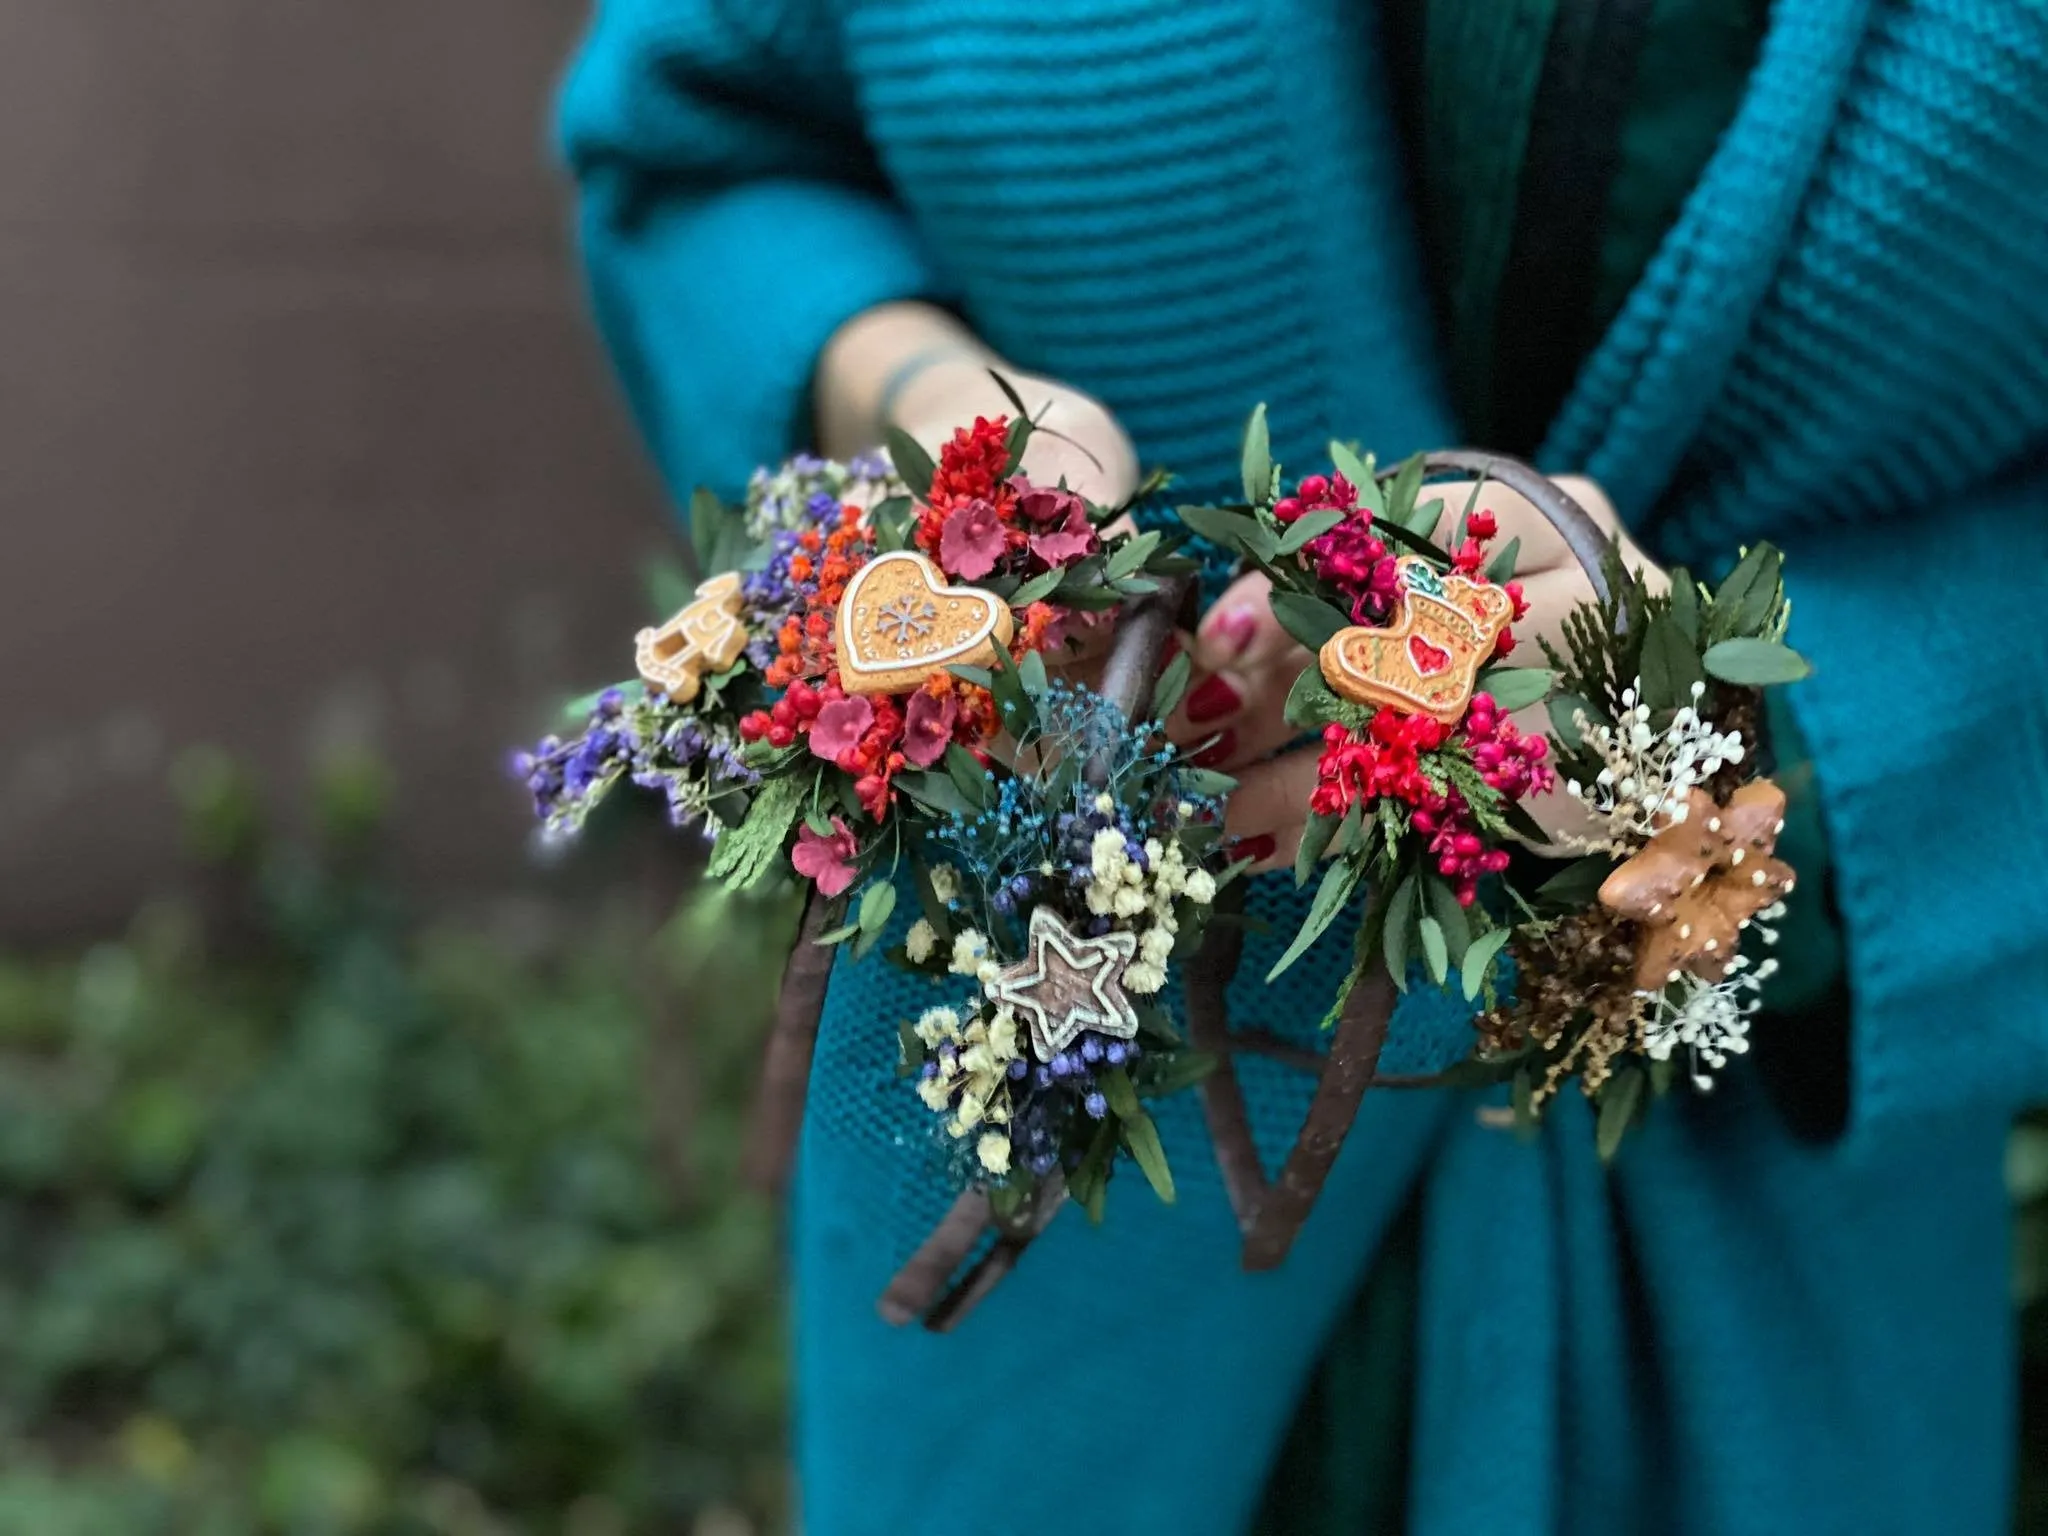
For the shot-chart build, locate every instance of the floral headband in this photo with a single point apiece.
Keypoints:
(1610, 968)
(865, 694)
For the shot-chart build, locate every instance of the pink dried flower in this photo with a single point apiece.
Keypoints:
(928, 726)
(840, 726)
(1066, 540)
(1043, 504)
(824, 860)
(973, 540)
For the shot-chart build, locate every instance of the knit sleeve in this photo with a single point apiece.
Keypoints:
(731, 216)
(1927, 717)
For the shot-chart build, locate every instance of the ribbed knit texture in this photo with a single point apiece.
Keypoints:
(1186, 208)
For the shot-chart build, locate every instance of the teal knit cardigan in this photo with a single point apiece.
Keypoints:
(1843, 345)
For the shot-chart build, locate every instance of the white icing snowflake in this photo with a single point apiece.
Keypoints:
(908, 618)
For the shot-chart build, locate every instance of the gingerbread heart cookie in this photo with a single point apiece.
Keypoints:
(899, 622)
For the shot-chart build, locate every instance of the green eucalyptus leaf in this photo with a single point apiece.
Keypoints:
(1311, 525)
(1168, 1072)
(877, 904)
(893, 521)
(1397, 937)
(1619, 1100)
(1122, 1094)
(1142, 1137)
(1224, 527)
(1479, 959)
(1339, 880)
(1670, 665)
(1752, 663)
(1309, 620)
(1013, 699)
(1315, 841)
(1743, 601)
(1172, 686)
(1401, 494)
(1501, 568)
(1031, 672)
(914, 466)
(1760, 603)
(1262, 537)
(968, 776)
(1089, 1182)
(1037, 588)
(1563, 707)
(1255, 464)
(1206, 781)
(1685, 603)
(1514, 688)
(1127, 556)
(1016, 440)
(1310, 702)
(1577, 884)
(1435, 953)
(1361, 473)
(668, 586)
(1349, 843)
(1453, 919)
(933, 791)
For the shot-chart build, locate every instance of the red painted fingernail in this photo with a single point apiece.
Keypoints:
(1217, 753)
(1257, 849)
(1212, 700)
(1234, 627)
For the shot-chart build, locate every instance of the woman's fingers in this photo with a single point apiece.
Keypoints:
(1240, 633)
(1269, 807)
(1245, 663)
(1543, 547)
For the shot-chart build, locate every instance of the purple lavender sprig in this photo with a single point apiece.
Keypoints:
(638, 737)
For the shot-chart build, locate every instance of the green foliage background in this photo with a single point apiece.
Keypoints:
(313, 1219)
(318, 1219)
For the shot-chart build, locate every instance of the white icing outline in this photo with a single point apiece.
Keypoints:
(935, 583)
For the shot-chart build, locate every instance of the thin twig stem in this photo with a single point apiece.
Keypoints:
(786, 1065)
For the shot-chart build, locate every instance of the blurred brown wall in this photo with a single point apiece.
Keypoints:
(303, 437)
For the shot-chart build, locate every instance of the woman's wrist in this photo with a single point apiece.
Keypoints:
(878, 368)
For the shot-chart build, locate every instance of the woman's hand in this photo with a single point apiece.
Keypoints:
(916, 367)
(1245, 663)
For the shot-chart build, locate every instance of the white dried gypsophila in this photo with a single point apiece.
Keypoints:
(966, 1082)
(971, 956)
(920, 941)
(1710, 1019)
(1122, 887)
(1646, 776)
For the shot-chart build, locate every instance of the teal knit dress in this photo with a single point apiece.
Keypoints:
(1763, 1318)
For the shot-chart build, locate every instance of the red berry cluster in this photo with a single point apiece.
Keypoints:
(1388, 760)
(1350, 557)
